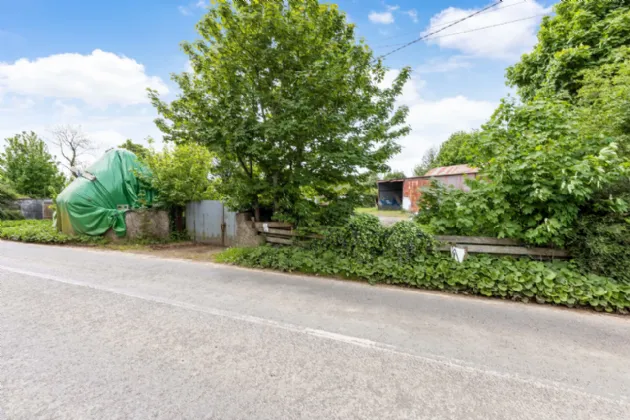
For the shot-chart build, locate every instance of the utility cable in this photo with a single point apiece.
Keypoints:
(439, 30)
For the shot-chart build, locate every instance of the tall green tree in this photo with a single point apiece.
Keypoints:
(459, 149)
(582, 35)
(428, 162)
(28, 167)
(181, 174)
(394, 175)
(136, 148)
(289, 100)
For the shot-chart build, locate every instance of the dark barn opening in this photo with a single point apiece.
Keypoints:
(390, 194)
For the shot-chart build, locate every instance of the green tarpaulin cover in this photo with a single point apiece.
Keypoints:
(97, 201)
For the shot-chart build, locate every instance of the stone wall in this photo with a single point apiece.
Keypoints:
(246, 233)
(150, 224)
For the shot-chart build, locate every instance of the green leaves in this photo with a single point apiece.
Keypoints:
(28, 167)
(582, 35)
(40, 231)
(539, 171)
(503, 277)
(180, 174)
(291, 104)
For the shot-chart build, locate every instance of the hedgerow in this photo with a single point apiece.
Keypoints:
(503, 277)
(40, 231)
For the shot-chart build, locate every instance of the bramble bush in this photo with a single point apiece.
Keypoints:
(502, 277)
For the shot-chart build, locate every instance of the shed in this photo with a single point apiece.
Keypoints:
(398, 194)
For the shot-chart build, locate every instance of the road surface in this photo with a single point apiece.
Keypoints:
(90, 334)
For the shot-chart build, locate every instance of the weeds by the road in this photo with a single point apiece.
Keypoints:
(41, 231)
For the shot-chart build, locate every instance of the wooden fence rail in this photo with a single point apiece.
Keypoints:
(283, 234)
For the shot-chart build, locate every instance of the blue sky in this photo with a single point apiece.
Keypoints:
(88, 63)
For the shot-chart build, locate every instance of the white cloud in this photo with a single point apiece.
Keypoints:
(99, 79)
(411, 91)
(66, 110)
(384, 18)
(443, 65)
(508, 41)
(412, 14)
(184, 10)
(433, 121)
(392, 8)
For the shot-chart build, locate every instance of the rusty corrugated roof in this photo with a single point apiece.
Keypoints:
(390, 180)
(452, 170)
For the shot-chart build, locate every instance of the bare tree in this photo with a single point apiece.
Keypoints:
(72, 143)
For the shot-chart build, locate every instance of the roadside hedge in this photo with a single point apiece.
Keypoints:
(503, 277)
(40, 231)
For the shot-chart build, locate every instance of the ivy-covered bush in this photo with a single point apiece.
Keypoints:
(405, 240)
(362, 237)
(502, 277)
(601, 245)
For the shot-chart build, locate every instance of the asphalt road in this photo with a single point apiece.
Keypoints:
(105, 335)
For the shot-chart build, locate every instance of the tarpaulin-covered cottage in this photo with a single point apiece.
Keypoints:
(99, 197)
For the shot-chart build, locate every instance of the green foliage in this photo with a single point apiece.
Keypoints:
(137, 149)
(41, 231)
(405, 240)
(28, 167)
(604, 101)
(289, 100)
(539, 170)
(601, 245)
(459, 149)
(582, 35)
(181, 174)
(394, 175)
(502, 277)
(7, 197)
(361, 238)
(428, 162)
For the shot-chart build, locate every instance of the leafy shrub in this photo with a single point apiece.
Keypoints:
(503, 277)
(361, 238)
(40, 231)
(7, 197)
(602, 245)
(406, 240)
(539, 170)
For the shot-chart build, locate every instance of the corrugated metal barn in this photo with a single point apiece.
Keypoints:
(398, 194)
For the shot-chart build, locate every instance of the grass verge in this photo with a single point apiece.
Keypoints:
(383, 213)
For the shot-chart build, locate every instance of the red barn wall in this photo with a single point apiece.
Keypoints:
(411, 191)
(412, 186)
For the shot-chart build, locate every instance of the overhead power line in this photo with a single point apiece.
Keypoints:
(470, 30)
(451, 21)
(439, 30)
(488, 11)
